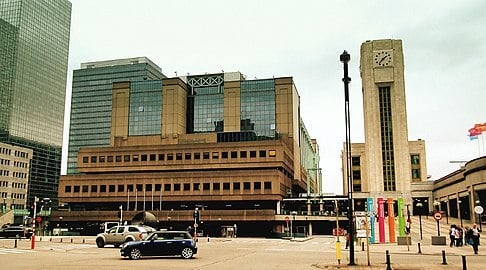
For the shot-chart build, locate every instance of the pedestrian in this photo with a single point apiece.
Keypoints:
(458, 236)
(467, 236)
(408, 225)
(347, 240)
(452, 235)
(475, 238)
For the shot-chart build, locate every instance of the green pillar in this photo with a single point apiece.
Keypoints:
(401, 219)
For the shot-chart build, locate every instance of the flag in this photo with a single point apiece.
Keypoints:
(474, 132)
(480, 127)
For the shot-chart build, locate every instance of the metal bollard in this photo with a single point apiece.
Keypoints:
(362, 246)
(464, 266)
(83, 240)
(61, 240)
(443, 257)
(71, 240)
(50, 239)
(419, 249)
(15, 244)
(388, 263)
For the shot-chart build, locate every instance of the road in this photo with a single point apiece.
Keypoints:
(318, 252)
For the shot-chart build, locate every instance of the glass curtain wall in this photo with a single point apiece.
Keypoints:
(145, 108)
(258, 107)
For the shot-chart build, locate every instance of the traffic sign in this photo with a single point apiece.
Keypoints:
(38, 219)
(478, 210)
(437, 216)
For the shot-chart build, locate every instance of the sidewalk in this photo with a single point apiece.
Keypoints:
(408, 257)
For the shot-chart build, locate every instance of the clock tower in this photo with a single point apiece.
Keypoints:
(387, 163)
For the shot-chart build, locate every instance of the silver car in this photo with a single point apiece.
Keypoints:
(121, 234)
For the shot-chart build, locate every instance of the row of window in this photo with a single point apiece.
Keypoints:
(20, 164)
(170, 187)
(20, 175)
(179, 156)
(4, 161)
(5, 151)
(18, 196)
(14, 184)
(21, 154)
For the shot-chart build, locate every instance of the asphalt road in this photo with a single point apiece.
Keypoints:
(235, 253)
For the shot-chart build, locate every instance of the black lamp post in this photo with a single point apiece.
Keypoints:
(419, 206)
(345, 57)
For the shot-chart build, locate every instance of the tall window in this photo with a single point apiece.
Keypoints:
(387, 153)
(205, 104)
(145, 108)
(258, 107)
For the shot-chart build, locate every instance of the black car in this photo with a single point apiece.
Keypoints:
(12, 231)
(161, 243)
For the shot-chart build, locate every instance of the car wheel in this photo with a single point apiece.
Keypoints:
(135, 254)
(187, 253)
(129, 240)
(100, 242)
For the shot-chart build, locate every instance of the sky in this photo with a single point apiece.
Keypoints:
(444, 47)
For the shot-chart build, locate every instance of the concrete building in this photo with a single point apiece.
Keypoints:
(34, 44)
(460, 192)
(387, 164)
(230, 147)
(14, 176)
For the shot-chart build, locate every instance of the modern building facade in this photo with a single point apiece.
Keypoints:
(14, 176)
(460, 192)
(387, 164)
(230, 147)
(34, 43)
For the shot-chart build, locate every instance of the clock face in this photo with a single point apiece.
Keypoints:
(383, 58)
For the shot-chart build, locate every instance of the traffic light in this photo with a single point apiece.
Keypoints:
(196, 216)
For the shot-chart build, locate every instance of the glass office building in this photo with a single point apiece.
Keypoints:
(91, 102)
(34, 44)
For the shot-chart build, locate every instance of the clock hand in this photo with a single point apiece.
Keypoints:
(382, 59)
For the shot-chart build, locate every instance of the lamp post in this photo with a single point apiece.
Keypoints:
(479, 210)
(419, 206)
(344, 58)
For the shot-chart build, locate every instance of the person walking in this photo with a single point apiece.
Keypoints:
(475, 238)
(452, 235)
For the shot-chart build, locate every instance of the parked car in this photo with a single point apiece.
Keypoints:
(15, 231)
(161, 243)
(120, 234)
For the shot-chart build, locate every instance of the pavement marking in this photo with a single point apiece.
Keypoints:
(4, 251)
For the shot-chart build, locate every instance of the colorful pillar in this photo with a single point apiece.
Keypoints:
(401, 219)
(391, 221)
(370, 206)
(381, 220)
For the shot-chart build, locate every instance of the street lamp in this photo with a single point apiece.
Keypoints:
(479, 210)
(344, 58)
(419, 206)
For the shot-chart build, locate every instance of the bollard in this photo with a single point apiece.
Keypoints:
(83, 240)
(61, 240)
(443, 257)
(464, 266)
(15, 244)
(362, 246)
(388, 263)
(419, 249)
(50, 239)
(71, 240)
(208, 238)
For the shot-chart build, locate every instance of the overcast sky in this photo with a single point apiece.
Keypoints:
(444, 48)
